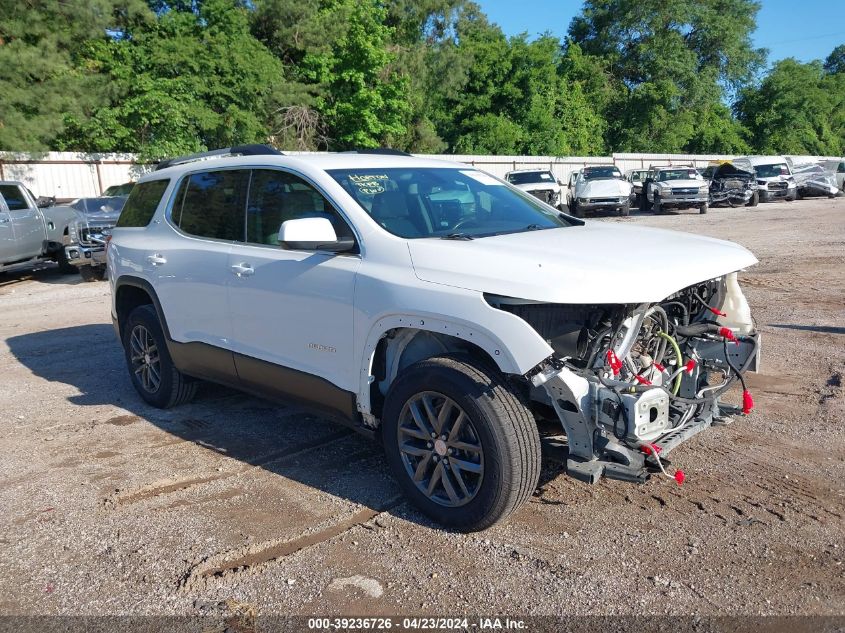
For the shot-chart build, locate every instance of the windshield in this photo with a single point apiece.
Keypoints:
(526, 177)
(637, 176)
(598, 173)
(678, 174)
(119, 190)
(771, 171)
(444, 202)
(102, 205)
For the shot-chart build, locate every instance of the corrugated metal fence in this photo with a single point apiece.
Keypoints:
(69, 175)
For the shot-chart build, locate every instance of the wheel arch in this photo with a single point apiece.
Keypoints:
(398, 341)
(131, 292)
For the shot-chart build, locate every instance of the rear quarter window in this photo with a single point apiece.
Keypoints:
(142, 203)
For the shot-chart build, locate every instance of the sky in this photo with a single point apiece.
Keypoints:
(805, 29)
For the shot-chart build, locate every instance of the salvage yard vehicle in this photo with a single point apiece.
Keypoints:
(637, 177)
(731, 185)
(599, 187)
(85, 246)
(838, 167)
(675, 187)
(540, 183)
(812, 179)
(774, 176)
(332, 279)
(30, 234)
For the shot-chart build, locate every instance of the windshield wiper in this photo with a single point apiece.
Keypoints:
(533, 227)
(457, 236)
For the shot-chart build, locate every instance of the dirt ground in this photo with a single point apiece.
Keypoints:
(233, 504)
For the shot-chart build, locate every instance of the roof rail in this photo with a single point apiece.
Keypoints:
(387, 151)
(237, 150)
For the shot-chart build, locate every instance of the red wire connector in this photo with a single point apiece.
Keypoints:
(648, 449)
(728, 334)
(641, 380)
(747, 402)
(717, 312)
(659, 367)
(690, 366)
(614, 362)
(680, 477)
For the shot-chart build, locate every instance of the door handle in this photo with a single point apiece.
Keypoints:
(243, 270)
(156, 259)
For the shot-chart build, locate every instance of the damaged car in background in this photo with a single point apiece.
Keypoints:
(85, 243)
(731, 186)
(812, 179)
(599, 188)
(774, 176)
(540, 183)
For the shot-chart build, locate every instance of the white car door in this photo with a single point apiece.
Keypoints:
(27, 225)
(291, 309)
(189, 262)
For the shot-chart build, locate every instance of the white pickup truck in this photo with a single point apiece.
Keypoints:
(29, 234)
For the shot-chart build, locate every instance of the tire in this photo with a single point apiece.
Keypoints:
(503, 465)
(798, 195)
(65, 267)
(92, 273)
(702, 209)
(143, 333)
(657, 206)
(755, 200)
(576, 211)
(625, 210)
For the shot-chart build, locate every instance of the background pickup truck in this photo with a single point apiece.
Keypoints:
(29, 234)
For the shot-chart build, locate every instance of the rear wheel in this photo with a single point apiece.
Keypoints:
(462, 446)
(151, 369)
(65, 266)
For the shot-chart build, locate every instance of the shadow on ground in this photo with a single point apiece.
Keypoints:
(254, 431)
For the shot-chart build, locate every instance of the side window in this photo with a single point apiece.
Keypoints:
(142, 203)
(277, 196)
(14, 198)
(841, 169)
(211, 204)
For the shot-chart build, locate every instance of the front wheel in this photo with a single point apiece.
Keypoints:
(755, 199)
(151, 369)
(702, 209)
(656, 206)
(575, 209)
(625, 210)
(462, 446)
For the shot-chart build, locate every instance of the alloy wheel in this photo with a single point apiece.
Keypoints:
(440, 449)
(146, 362)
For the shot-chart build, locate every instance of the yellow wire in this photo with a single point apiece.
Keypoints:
(680, 358)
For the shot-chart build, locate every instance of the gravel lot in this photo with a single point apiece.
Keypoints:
(233, 505)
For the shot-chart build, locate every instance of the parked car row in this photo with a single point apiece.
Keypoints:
(73, 235)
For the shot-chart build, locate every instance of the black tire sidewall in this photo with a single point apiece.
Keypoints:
(471, 397)
(145, 315)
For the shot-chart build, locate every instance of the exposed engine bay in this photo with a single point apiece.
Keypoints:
(732, 186)
(630, 382)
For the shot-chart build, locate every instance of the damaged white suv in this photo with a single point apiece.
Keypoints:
(433, 306)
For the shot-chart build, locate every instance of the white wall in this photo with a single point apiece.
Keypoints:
(73, 175)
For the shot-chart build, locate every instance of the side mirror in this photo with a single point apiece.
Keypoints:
(42, 202)
(312, 234)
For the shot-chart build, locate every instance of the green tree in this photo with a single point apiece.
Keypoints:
(43, 75)
(189, 78)
(835, 62)
(796, 109)
(673, 63)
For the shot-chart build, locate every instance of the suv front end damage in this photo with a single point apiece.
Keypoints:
(628, 383)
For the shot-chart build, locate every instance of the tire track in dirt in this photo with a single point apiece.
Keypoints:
(230, 562)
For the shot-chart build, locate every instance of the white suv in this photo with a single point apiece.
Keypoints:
(432, 305)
